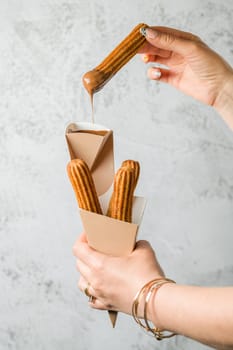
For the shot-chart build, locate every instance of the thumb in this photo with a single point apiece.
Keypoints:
(82, 237)
(168, 41)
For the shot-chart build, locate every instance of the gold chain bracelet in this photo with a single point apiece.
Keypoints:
(148, 289)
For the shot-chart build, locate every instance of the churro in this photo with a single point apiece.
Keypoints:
(83, 185)
(95, 79)
(121, 203)
(134, 165)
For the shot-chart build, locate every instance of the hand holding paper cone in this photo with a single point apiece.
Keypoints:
(121, 202)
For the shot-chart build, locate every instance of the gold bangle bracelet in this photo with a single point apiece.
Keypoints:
(158, 333)
(149, 288)
(138, 298)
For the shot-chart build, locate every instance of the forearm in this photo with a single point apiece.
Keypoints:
(224, 101)
(203, 314)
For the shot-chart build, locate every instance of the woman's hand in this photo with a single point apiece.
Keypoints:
(194, 68)
(114, 281)
(187, 310)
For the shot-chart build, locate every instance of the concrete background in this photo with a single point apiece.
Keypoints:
(184, 148)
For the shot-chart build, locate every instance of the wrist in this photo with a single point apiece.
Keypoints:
(149, 292)
(224, 101)
(158, 309)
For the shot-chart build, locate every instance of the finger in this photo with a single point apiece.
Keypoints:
(169, 41)
(97, 304)
(154, 73)
(146, 58)
(86, 287)
(159, 62)
(89, 260)
(147, 48)
(81, 239)
(141, 244)
(178, 33)
(82, 283)
(81, 249)
(160, 74)
(83, 269)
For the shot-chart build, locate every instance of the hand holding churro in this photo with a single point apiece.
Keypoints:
(95, 79)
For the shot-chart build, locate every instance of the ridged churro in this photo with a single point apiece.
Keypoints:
(122, 200)
(83, 185)
(95, 79)
(135, 167)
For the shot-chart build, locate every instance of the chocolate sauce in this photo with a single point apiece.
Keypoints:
(93, 81)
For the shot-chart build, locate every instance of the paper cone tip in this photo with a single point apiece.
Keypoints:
(113, 317)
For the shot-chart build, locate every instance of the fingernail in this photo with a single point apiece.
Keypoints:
(143, 31)
(156, 74)
(149, 32)
(146, 58)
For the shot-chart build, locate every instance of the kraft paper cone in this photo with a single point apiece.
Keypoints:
(105, 234)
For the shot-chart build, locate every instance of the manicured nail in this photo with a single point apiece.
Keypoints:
(156, 74)
(146, 58)
(149, 32)
(143, 31)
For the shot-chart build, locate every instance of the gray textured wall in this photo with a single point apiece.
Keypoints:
(184, 148)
